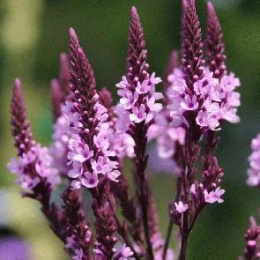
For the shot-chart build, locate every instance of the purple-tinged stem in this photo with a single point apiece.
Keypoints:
(167, 239)
(128, 208)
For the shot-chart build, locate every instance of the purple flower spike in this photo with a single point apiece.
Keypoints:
(137, 109)
(89, 144)
(21, 128)
(33, 167)
(34, 164)
(215, 47)
(137, 54)
(192, 46)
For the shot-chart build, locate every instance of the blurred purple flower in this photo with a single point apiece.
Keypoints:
(12, 248)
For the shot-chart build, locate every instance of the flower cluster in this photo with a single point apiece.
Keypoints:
(32, 166)
(214, 100)
(138, 101)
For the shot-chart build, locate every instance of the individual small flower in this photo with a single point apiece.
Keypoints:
(189, 103)
(181, 207)
(79, 151)
(214, 196)
(89, 179)
(138, 114)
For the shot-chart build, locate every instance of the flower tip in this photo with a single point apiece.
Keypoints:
(184, 4)
(17, 83)
(133, 11)
(210, 7)
(72, 33)
(17, 89)
(191, 3)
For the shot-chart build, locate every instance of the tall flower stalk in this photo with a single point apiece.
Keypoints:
(200, 97)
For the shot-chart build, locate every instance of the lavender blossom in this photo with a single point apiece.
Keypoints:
(254, 159)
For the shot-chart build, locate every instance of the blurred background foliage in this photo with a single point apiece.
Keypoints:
(32, 35)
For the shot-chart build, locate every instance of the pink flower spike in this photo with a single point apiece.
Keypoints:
(214, 196)
(181, 207)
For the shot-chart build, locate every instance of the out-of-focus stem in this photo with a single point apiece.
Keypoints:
(167, 240)
(184, 242)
